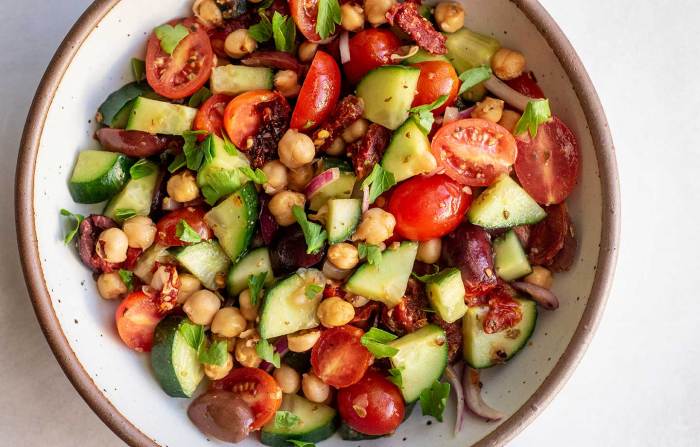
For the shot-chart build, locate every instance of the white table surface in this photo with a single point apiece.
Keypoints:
(638, 384)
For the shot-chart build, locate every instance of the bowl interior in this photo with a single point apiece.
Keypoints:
(101, 65)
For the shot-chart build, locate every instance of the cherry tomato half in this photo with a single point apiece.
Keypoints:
(137, 317)
(548, 165)
(185, 71)
(318, 95)
(474, 151)
(304, 13)
(166, 229)
(242, 118)
(338, 358)
(437, 78)
(527, 85)
(257, 388)
(428, 207)
(369, 49)
(210, 116)
(373, 406)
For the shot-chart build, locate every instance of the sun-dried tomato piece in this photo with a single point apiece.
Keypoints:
(408, 19)
(409, 315)
(504, 312)
(274, 123)
(547, 237)
(368, 151)
(348, 110)
(567, 255)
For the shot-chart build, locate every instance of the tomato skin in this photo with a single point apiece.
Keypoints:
(428, 207)
(504, 312)
(369, 49)
(257, 388)
(373, 406)
(240, 118)
(474, 151)
(137, 317)
(338, 358)
(210, 116)
(167, 226)
(173, 76)
(437, 78)
(527, 85)
(304, 13)
(319, 94)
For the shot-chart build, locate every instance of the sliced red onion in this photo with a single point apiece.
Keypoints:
(466, 113)
(451, 114)
(472, 388)
(453, 377)
(334, 272)
(506, 93)
(281, 348)
(365, 199)
(540, 295)
(406, 52)
(344, 44)
(321, 180)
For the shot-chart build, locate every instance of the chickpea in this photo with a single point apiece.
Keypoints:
(188, 285)
(287, 83)
(540, 276)
(303, 341)
(376, 10)
(336, 148)
(164, 276)
(245, 351)
(508, 64)
(288, 379)
(355, 131)
(281, 204)
(335, 311)
(509, 120)
(208, 12)
(307, 51)
(276, 174)
(429, 251)
(239, 44)
(110, 286)
(183, 187)
(343, 255)
(296, 149)
(216, 372)
(300, 177)
(490, 109)
(112, 245)
(201, 307)
(248, 311)
(228, 322)
(377, 226)
(352, 17)
(314, 388)
(449, 16)
(140, 231)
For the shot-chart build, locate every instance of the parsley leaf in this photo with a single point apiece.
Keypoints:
(312, 291)
(372, 252)
(379, 181)
(473, 77)
(193, 155)
(215, 354)
(199, 97)
(138, 69)
(261, 31)
(284, 31)
(286, 419)
(298, 443)
(192, 333)
(170, 36)
(267, 352)
(434, 399)
(124, 213)
(395, 376)
(207, 148)
(255, 284)
(257, 176)
(76, 220)
(230, 147)
(328, 17)
(186, 233)
(375, 341)
(142, 168)
(127, 278)
(314, 234)
(536, 112)
(423, 115)
(178, 163)
(430, 276)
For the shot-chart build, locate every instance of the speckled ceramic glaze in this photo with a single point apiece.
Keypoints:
(118, 383)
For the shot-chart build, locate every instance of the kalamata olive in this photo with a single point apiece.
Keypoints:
(268, 224)
(222, 415)
(288, 252)
(88, 232)
(135, 143)
(468, 248)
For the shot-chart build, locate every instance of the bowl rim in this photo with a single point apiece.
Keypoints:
(127, 431)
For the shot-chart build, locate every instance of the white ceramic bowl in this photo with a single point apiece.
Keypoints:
(118, 384)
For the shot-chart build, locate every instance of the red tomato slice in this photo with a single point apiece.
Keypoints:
(548, 165)
(527, 85)
(547, 238)
(137, 317)
(369, 49)
(166, 233)
(373, 406)
(428, 207)
(257, 388)
(319, 94)
(474, 151)
(304, 13)
(185, 71)
(210, 116)
(241, 119)
(437, 78)
(338, 358)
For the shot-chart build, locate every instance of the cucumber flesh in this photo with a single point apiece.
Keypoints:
(446, 294)
(233, 220)
(235, 79)
(408, 153)
(341, 188)
(343, 217)
(175, 363)
(137, 195)
(98, 175)
(326, 163)
(424, 56)
(510, 260)
(221, 175)
(145, 265)
(316, 423)
(504, 204)
(387, 93)
(149, 115)
(110, 111)
(467, 49)
(253, 263)
(205, 260)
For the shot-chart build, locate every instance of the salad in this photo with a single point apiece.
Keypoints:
(316, 216)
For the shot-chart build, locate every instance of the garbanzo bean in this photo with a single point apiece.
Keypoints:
(112, 245)
(343, 255)
(239, 44)
(314, 388)
(429, 251)
(296, 149)
(449, 16)
(140, 231)
(183, 187)
(281, 205)
(335, 311)
(288, 379)
(228, 322)
(302, 341)
(216, 372)
(376, 226)
(508, 64)
(110, 286)
(201, 307)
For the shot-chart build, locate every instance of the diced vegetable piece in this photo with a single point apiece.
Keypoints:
(387, 93)
(510, 260)
(408, 153)
(340, 188)
(255, 262)
(467, 49)
(149, 115)
(205, 260)
(504, 204)
(235, 79)
(136, 196)
(175, 363)
(343, 217)
(316, 423)
(446, 294)
(233, 220)
(98, 175)
(221, 175)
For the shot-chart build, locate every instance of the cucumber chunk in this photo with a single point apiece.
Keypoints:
(149, 115)
(332, 162)
(341, 188)
(112, 109)
(221, 175)
(482, 350)
(424, 56)
(343, 217)
(174, 361)
(510, 260)
(253, 263)
(408, 153)
(467, 49)
(98, 175)
(316, 423)
(287, 308)
(422, 358)
(205, 260)
(387, 93)
(385, 281)
(234, 79)
(137, 195)
(504, 204)
(145, 265)
(233, 220)
(446, 294)
(347, 433)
